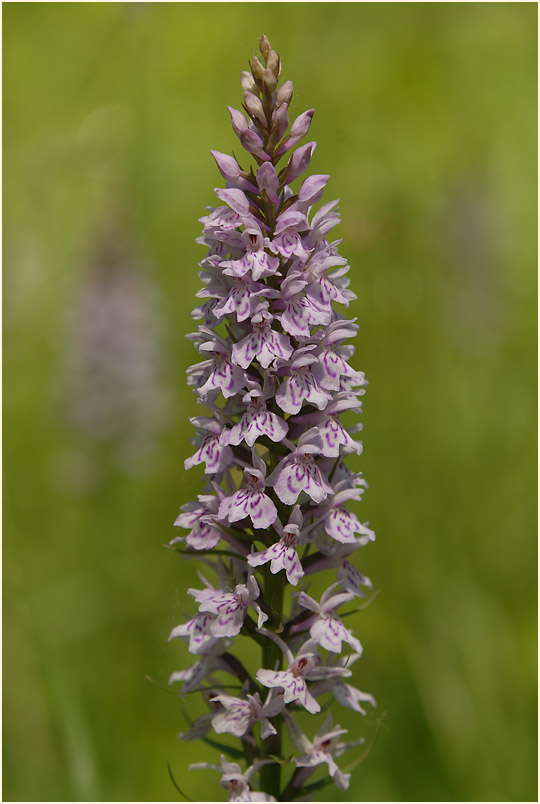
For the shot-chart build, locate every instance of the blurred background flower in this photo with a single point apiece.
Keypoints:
(426, 120)
(112, 391)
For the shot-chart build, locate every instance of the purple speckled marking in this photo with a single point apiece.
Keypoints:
(223, 376)
(251, 501)
(203, 536)
(286, 243)
(296, 314)
(341, 524)
(238, 301)
(227, 219)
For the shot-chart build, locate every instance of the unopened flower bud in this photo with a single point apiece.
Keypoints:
(301, 125)
(285, 93)
(257, 69)
(238, 121)
(270, 80)
(273, 63)
(280, 123)
(299, 129)
(264, 46)
(299, 161)
(253, 143)
(254, 107)
(267, 180)
(227, 165)
(248, 84)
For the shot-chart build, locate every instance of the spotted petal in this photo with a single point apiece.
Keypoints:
(224, 376)
(349, 696)
(255, 504)
(229, 619)
(262, 343)
(334, 435)
(341, 524)
(282, 557)
(352, 579)
(215, 456)
(334, 367)
(198, 631)
(299, 388)
(237, 718)
(294, 476)
(203, 536)
(330, 633)
(254, 424)
(240, 300)
(294, 687)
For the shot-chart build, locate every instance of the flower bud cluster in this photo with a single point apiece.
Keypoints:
(274, 380)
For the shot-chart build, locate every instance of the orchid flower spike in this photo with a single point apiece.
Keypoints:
(276, 379)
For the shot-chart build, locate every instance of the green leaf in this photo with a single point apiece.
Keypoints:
(306, 550)
(281, 760)
(235, 753)
(175, 783)
(367, 752)
(185, 715)
(197, 553)
(163, 689)
(310, 788)
(210, 689)
(246, 533)
(348, 613)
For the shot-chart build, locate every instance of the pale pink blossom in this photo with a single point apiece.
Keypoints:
(198, 631)
(322, 749)
(325, 627)
(293, 681)
(229, 607)
(297, 473)
(233, 780)
(213, 450)
(239, 715)
(263, 343)
(199, 518)
(282, 554)
(257, 421)
(303, 384)
(250, 501)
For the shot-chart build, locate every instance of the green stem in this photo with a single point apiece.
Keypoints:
(289, 790)
(274, 588)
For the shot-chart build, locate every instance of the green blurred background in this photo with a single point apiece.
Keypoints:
(426, 120)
